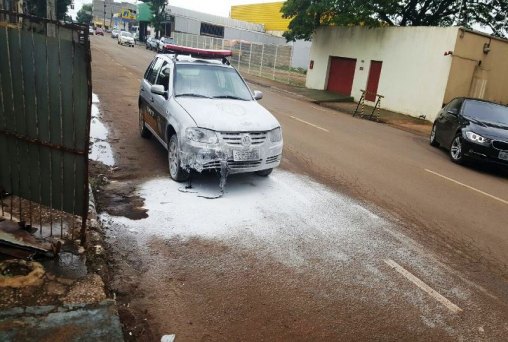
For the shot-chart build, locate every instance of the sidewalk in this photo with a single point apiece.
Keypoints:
(93, 322)
(344, 105)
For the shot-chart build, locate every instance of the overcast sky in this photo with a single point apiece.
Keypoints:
(217, 7)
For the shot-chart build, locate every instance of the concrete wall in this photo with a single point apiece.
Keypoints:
(415, 72)
(301, 54)
(478, 74)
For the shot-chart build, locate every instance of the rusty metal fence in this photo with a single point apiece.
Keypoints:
(262, 60)
(45, 100)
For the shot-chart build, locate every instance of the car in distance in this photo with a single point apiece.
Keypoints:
(114, 33)
(91, 31)
(163, 44)
(99, 31)
(202, 111)
(151, 43)
(126, 38)
(472, 129)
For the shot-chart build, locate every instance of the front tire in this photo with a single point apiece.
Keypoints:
(456, 152)
(175, 171)
(264, 173)
(432, 138)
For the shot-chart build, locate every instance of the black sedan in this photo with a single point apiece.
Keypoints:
(472, 129)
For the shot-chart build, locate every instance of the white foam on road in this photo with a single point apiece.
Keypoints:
(303, 225)
(101, 149)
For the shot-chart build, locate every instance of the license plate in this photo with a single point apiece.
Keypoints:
(503, 155)
(246, 155)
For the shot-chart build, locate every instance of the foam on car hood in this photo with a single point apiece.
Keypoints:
(225, 115)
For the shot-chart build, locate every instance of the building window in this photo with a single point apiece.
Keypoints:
(212, 30)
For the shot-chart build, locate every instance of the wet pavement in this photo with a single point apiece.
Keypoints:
(281, 258)
(100, 149)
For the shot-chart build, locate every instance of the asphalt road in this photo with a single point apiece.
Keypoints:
(409, 212)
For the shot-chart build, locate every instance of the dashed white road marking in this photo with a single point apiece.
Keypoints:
(308, 123)
(418, 282)
(320, 108)
(468, 187)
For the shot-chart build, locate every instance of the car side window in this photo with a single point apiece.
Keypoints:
(155, 70)
(148, 70)
(163, 77)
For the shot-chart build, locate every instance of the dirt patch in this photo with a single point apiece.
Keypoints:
(118, 199)
(205, 294)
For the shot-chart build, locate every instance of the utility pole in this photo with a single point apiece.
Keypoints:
(51, 9)
(51, 15)
(104, 21)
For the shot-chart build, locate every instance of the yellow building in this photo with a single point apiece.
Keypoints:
(267, 14)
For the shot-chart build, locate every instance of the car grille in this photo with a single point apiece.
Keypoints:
(500, 145)
(233, 164)
(273, 159)
(235, 138)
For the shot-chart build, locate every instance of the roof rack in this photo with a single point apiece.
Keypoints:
(198, 53)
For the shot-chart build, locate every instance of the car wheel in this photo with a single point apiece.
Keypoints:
(264, 173)
(432, 138)
(175, 171)
(456, 153)
(143, 131)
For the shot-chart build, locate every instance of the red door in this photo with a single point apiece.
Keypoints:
(373, 80)
(341, 75)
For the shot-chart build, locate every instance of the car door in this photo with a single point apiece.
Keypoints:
(450, 121)
(160, 102)
(148, 98)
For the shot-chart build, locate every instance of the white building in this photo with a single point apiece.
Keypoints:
(408, 65)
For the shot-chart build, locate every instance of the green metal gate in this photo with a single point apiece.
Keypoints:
(45, 100)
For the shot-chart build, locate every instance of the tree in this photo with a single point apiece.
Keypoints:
(84, 15)
(307, 15)
(38, 8)
(158, 8)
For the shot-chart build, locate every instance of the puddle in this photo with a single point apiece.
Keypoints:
(101, 149)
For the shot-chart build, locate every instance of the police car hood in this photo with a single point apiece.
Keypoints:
(226, 115)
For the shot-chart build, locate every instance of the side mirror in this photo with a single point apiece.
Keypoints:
(453, 111)
(258, 95)
(158, 89)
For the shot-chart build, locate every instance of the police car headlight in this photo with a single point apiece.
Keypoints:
(201, 135)
(275, 135)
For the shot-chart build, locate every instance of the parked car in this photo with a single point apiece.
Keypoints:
(99, 31)
(207, 117)
(91, 31)
(126, 38)
(161, 47)
(114, 33)
(151, 43)
(472, 129)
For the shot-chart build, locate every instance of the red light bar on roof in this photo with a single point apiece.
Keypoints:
(195, 52)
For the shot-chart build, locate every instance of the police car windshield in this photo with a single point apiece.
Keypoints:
(212, 81)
